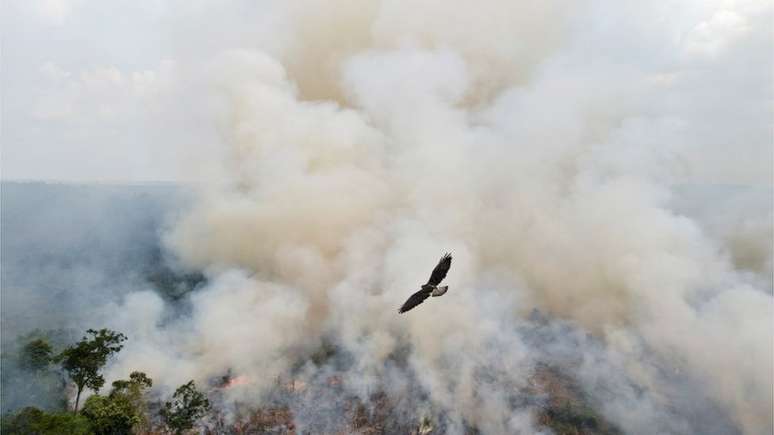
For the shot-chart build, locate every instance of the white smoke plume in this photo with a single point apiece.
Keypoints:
(544, 144)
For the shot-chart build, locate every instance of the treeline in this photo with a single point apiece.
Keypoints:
(125, 409)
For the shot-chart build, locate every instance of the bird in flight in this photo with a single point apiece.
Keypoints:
(431, 288)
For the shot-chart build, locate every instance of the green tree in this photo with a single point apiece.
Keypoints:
(187, 405)
(35, 355)
(120, 411)
(84, 360)
(110, 415)
(28, 377)
(34, 421)
(137, 383)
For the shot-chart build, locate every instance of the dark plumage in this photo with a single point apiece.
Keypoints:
(431, 288)
(440, 271)
(416, 299)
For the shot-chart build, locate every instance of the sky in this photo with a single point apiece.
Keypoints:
(89, 92)
(119, 90)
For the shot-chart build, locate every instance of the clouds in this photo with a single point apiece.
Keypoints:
(87, 97)
(100, 95)
(683, 49)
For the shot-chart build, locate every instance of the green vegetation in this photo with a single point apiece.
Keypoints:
(577, 418)
(187, 405)
(36, 355)
(84, 360)
(109, 416)
(31, 421)
(29, 379)
(122, 410)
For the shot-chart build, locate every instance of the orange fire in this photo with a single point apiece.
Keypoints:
(236, 381)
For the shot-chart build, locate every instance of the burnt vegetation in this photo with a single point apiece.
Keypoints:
(321, 404)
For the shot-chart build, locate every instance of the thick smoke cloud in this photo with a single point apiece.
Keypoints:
(549, 147)
(541, 146)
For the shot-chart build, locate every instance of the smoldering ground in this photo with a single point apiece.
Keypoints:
(558, 152)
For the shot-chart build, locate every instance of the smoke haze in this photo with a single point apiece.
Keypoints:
(608, 164)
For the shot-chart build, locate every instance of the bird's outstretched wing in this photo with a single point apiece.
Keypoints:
(415, 299)
(439, 273)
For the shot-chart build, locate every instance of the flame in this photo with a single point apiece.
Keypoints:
(237, 381)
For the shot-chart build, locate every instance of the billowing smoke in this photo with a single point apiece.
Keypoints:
(551, 147)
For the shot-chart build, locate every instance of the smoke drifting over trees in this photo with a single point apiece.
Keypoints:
(601, 172)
